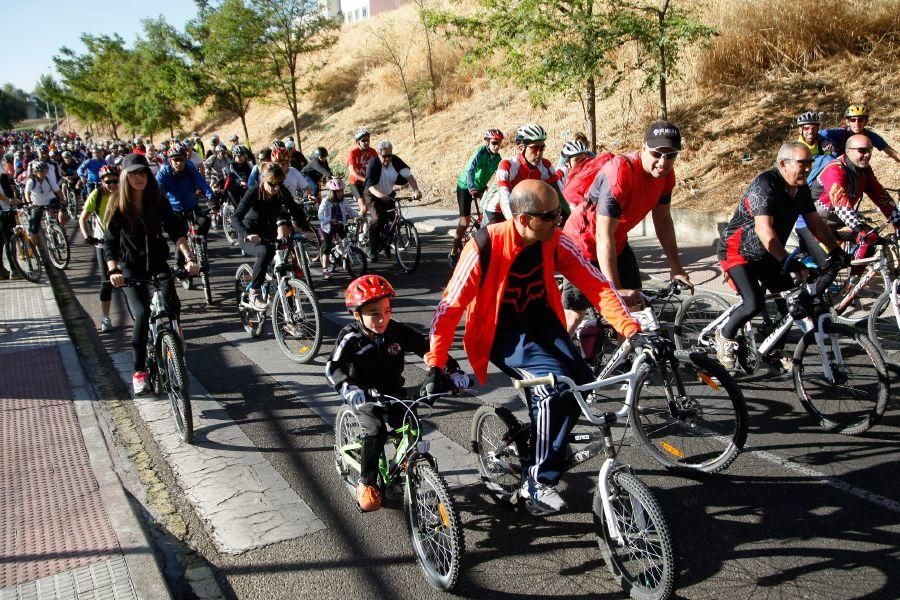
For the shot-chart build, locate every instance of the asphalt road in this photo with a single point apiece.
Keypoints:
(801, 514)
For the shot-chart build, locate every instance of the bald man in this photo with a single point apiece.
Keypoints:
(504, 281)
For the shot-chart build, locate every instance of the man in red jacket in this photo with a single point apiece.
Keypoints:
(515, 320)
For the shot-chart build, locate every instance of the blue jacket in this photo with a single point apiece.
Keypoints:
(179, 188)
(91, 169)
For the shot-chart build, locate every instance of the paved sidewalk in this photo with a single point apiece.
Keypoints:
(66, 527)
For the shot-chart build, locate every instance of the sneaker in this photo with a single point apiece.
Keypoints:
(106, 324)
(725, 350)
(141, 382)
(541, 498)
(326, 272)
(786, 362)
(368, 497)
(257, 302)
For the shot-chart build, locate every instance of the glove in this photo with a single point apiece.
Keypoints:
(460, 380)
(792, 264)
(91, 241)
(354, 396)
(476, 194)
(658, 345)
(839, 259)
(436, 382)
(864, 235)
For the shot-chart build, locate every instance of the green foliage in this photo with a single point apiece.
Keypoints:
(13, 106)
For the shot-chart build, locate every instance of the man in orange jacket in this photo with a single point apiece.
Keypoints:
(515, 320)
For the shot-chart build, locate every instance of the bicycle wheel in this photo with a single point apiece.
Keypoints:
(227, 227)
(299, 332)
(644, 561)
(501, 461)
(313, 247)
(854, 397)
(253, 321)
(355, 262)
(694, 420)
(346, 430)
(25, 258)
(434, 527)
(203, 257)
(57, 246)
(883, 329)
(176, 385)
(71, 204)
(695, 314)
(407, 248)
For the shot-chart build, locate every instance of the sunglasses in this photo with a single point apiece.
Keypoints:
(862, 149)
(177, 159)
(857, 119)
(803, 161)
(275, 183)
(111, 181)
(494, 143)
(547, 217)
(664, 155)
(537, 146)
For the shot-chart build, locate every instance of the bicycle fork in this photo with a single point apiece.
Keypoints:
(606, 471)
(830, 362)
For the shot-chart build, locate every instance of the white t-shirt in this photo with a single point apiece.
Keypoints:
(389, 177)
(295, 182)
(40, 192)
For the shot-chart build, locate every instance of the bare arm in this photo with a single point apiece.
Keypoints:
(665, 231)
(606, 248)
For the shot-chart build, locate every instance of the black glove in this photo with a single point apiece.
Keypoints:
(839, 259)
(436, 382)
(657, 344)
(91, 241)
(792, 264)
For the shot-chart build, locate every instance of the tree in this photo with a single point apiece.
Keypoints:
(13, 106)
(391, 48)
(50, 93)
(552, 47)
(661, 31)
(293, 28)
(428, 28)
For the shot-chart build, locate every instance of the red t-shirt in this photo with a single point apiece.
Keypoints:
(357, 161)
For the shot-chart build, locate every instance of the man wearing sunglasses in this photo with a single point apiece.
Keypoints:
(856, 117)
(840, 187)
(179, 181)
(382, 173)
(751, 249)
(505, 284)
(624, 191)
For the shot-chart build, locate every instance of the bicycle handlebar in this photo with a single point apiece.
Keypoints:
(155, 279)
(521, 384)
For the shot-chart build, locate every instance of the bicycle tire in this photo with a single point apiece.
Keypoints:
(883, 330)
(490, 426)
(407, 247)
(434, 525)
(227, 227)
(356, 263)
(26, 258)
(313, 249)
(203, 256)
(695, 314)
(176, 385)
(831, 405)
(302, 344)
(645, 535)
(707, 430)
(72, 205)
(303, 255)
(253, 321)
(346, 429)
(58, 251)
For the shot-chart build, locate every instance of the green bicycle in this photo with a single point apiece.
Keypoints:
(433, 523)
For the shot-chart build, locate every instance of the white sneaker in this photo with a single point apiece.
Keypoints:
(141, 382)
(725, 349)
(541, 498)
(257, 302)
(106, 324)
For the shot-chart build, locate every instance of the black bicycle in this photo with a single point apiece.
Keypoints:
(398, 235)
(198, 247)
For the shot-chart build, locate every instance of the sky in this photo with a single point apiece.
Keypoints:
(33, 30)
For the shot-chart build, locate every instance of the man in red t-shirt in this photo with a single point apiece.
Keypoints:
(357, 160)
(626, 189)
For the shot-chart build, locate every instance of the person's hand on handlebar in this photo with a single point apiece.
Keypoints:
(684, 281)
(192, 266)
(116, 278)
(417, 194)
(657, 344)
(253, 239)
(633, 299)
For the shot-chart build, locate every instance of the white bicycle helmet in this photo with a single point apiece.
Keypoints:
(361, 134)
(808, 118)
(530, 133)
(573, 148)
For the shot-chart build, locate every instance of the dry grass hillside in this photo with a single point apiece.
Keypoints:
(735, 102)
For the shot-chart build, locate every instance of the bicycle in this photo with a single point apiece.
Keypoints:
(432, 519)
(631, 530)
(399, 234)
(475, 223)
(198, 245)
(827, 355)
(21, 253)
(347, 254)
(56, 244)
(165, 356)
(71, 196)
(294, 309)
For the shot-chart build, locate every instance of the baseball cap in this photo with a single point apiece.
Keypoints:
(663, 134)
(134, 162)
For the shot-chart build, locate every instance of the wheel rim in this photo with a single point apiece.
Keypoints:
(298, 330)
(642, 555)
(432, 535)
(699, 313)
(497, 477)
(175, 391)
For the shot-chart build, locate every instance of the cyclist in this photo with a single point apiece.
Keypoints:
(298, 161)
(92, 228)
(751, 249)
(217, 163)
(265, 213)
(382, 174)
(264, 156)
(7, 218)
(357, 161)
(294, 180)
(238, 174)
(562, 165)
(318, 171)
(179, 181)
(840, 187)
(333, 214)
(505, 284)
(196, 144)
(154, 159)
(89, 171)
(213, 144)
(43, 194)
(69, 170)
(623, 192)
(856, 117)
(471, 184)
(582, 166)
(134, 246)
(369, 355)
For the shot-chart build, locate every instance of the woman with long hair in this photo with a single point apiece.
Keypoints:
(134, 247)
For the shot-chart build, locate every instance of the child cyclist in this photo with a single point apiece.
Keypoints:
(334, 212)
(369, 355)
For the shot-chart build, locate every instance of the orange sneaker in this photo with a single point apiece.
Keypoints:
(368, 497)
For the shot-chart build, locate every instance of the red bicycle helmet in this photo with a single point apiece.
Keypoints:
(108, 170)
(493, 135)
(366, 289)
(279, 154)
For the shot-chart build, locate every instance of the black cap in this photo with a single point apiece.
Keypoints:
(663, 134)
(134, 162)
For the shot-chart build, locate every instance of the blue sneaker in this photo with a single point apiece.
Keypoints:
(541, 498)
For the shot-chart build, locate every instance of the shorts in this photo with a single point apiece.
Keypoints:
(629, 276)
(464, 199)
(358, 189)
(34, 222)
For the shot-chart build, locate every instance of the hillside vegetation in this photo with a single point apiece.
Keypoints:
(735, 102)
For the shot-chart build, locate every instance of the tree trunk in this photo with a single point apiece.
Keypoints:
(409, 105)
(296, 120)
(663, 107)
(244, 125)
(592, 111)
(431, 71)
